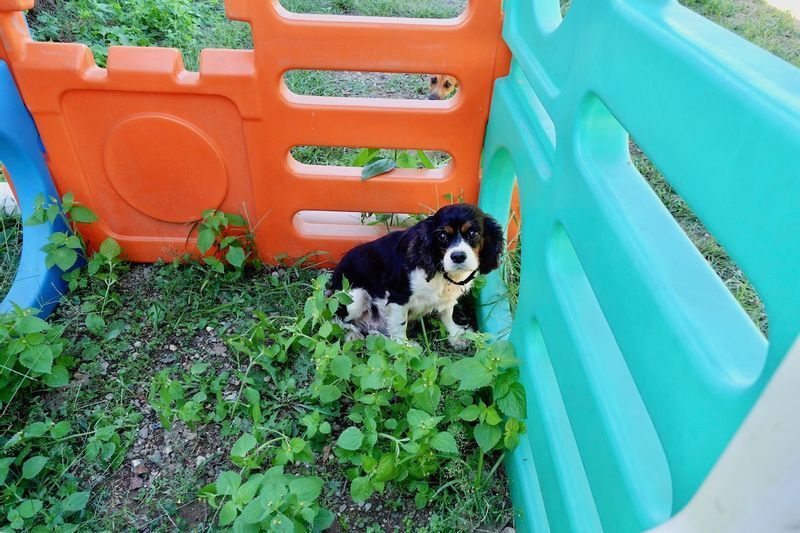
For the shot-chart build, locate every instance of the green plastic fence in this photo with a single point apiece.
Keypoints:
(638, 362)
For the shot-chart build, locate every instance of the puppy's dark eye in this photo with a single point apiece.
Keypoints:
(434, 80)
(472, 235)
(442, 237)
(447, 85)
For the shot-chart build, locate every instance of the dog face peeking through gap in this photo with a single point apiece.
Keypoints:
(441, 86)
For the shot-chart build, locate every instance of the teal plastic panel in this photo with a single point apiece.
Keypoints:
(638, 362)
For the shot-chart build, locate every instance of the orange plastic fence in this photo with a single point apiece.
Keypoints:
(149, 145)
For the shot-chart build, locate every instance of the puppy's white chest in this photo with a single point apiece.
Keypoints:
(433, 295)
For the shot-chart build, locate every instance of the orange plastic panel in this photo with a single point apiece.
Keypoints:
(149, 145)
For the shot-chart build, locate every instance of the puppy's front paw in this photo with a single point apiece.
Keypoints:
(459, 340)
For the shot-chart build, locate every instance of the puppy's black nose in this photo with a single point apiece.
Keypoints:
(458, 257)
(433, 97)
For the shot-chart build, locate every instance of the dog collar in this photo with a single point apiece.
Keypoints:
(461, 283)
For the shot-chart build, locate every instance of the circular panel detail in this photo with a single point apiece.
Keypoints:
(164, 167)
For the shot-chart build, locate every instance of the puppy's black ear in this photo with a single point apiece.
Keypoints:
(420, 249)
(493, 244)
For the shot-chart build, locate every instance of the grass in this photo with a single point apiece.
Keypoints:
(170, 317)
(10, 250)
(756, 21)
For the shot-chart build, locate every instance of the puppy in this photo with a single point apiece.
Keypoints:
(441, 86)
(408, 274)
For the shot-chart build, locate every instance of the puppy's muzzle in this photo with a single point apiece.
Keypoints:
(458, 257)
(433, 97)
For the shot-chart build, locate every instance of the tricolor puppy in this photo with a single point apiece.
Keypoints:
(408, 274)
(441, 86)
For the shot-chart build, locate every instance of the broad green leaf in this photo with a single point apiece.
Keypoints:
(329, 393)
(228, 513)
(228, 482)
(492, 417)
(76, 501)
(340, 366)
(325, 428)
(350, 439)
(61, 429)
(110, 248)
(514, 403)
(361, 489)
(235, 256)
(416, 417)
(105, 433)
(306, 489)
(82, 214)
(74, 242)
(34, 465)
(470, 414)
(28, 508)
(376, 168)
(35, 430)
(205, 239)
(58, 377)
(30, 324)
(67, 201)
(323, 520)
(5, 463)
(254, 512)
(444, 442)
(472, 374)
(325, 330)
(249, 489)
(64, 258)
(215, 264)
(38, 358)
(487, 436)
(96, 324)
(243, 445)
(386, 468)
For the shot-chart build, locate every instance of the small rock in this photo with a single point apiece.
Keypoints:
(209, 329)
(173, 348)
(138, 468)
(143, 433)
(274, 274)
(168, 359)
(509, 530)
(137, 344)
(343, 508)
(199, 460)
(190, 435)
(155, 458)
(219, 349)
(167, 450)
(109, 396)
(136, 483)
(368, 506)
(104, 368)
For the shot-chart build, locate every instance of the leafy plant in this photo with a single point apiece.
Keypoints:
(269, 501)
(39, 492)
(375, 164)
(194, 397)
(32, 352)
(225, 240)
(409, 417)
(65, 248)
